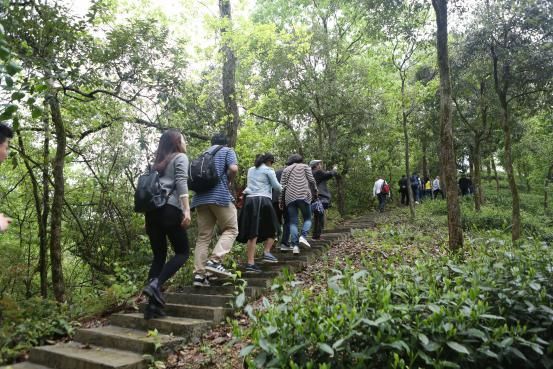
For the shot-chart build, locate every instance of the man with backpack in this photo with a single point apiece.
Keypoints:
(214, 206)
(403, 190)
(381, 190)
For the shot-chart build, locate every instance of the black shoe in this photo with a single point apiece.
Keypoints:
(200, 281)
(252, 268)
(153, 311)
(152, 291)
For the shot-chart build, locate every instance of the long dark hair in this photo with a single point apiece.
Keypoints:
(170, 145)
(264, 159)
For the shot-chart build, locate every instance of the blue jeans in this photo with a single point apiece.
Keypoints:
(305, 208)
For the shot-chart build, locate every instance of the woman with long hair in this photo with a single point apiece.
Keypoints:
(258, 221)
(169, 221)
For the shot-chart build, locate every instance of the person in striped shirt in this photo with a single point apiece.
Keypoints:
(215, 207)
(298, 189)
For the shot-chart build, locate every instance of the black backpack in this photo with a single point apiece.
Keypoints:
(202, 173)
(149, 195)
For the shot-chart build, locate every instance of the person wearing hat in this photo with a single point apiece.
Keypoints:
(321, 178)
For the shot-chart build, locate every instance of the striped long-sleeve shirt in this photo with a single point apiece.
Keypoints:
(297, 182)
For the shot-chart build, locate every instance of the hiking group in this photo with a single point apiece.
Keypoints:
(271, 204)
(421, 189)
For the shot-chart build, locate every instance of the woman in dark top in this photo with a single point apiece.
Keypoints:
(169, 221)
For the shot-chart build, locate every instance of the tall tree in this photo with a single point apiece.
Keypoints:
(517, 38)
(447, 151)
(232, 118)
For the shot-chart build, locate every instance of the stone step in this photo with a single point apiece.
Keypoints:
(252, 281)
(128, 339)
(346, 230)
(76, 356)
(183, 327)
(221, 300)
(24, 365)
(252, 292)
(263, 274)
(211, 313)
(289, 264)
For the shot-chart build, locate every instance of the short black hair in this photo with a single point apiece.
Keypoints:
(5, 133)
(219, 139)
(294, 158)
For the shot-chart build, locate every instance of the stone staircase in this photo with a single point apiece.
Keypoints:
(191, 311)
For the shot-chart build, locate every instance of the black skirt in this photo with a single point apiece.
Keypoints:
(257, 219)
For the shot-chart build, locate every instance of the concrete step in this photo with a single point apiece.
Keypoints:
(222, 300)
(219, 289)
(215, 314)
(128, 339)
(252, 281)
(346, 230)
(290, 265)
(76, 356)
(183, 327)
(24, 365)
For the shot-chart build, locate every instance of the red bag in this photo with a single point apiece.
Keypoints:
(385, 188)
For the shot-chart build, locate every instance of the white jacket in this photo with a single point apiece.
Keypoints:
(378, 186)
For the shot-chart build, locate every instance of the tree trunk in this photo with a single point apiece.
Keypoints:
(56, 261)
(495, 174)
(476, 179)
(446, 130)
(341, 190)
(546, 185)
(516, 222)
(488, 169)
(229, 76)
(406, 140)
(424, 161)
(43, 227)
(43, 242)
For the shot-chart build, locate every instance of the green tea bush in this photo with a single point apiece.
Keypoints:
(30, 323)
(491, 311)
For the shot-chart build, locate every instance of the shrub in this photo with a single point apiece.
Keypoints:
(31, 323)
(493, 311)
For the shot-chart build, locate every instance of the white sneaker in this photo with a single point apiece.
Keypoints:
(296, 250)
(304, 242)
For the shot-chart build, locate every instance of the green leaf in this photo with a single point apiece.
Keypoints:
(246, 350)
(4, 53)
(473, 332)
(434, 308)
(240, 300)
(424, 340)
(9, 81)
(432, 346)
(36, 112)
(493, 317)
(18, 95)
(458, 347)
(326, 348)
(12, 68)
(535, 286)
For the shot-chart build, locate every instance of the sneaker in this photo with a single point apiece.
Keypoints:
(304, 242)
(153, 311)
(153, 292)
(210, 276)
(216, 268)
(285, 248)
(252, 268)
(200, 281)
(296, 250)
(269, 258)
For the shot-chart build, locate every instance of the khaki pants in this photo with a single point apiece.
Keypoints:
(226, 220)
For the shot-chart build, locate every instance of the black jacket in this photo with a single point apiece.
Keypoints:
(321, 177)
